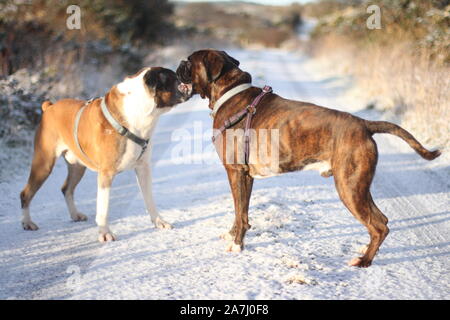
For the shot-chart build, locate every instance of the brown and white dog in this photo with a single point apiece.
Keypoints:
(310, 137)
(136, 103)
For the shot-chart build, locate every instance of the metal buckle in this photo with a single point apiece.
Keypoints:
(267, 89)
(123, 131)
(144, 147)
(251, 109)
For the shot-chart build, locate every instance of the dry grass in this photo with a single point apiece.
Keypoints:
(407, 83)
(415, 87)
(401, 68)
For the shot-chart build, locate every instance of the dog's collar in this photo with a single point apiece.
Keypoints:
(230, 93)
(123, 131)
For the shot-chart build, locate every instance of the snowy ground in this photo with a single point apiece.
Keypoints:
(301, 236)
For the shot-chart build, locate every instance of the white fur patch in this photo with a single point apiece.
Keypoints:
(141, 114)
(102, 207)
(60, 148)
(267, 174)
(70, 156)
(321, 166)
(233, 247)
(138, 103)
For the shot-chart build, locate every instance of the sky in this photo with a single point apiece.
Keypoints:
(273, 2)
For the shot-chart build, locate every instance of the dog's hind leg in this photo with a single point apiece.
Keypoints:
(241, 187)
(74, 175)
(42, 164)
(353, 179)
(378, 230)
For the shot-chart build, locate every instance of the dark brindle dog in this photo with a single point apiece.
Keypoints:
(337, 143)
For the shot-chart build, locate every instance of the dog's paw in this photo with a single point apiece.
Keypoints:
(226, 236)
(79, 217)
(360, 262)
(233, 247)
(29, 225)
(161, 224)
(106, 237)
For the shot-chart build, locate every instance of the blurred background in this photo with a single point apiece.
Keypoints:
(403, 67)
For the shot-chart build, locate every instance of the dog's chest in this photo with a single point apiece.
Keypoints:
(132, 152)
(131, 155)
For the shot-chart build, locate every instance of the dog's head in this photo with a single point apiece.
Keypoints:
(164, 85)
(204, 67)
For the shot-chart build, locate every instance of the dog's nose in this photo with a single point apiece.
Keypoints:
(185, 88)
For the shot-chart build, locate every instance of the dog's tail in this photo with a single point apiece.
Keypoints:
(391, 128)
(45, 105)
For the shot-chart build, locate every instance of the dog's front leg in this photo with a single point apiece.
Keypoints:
(104, 182)
(144, 177)
(241, 187)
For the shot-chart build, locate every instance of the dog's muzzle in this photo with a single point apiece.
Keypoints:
(184, 72)
(185, 89)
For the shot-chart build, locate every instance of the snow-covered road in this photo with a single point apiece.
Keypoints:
(301, 237)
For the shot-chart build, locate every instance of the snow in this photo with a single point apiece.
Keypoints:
(301, 237)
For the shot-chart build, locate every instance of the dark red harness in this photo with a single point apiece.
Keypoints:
(248, 112)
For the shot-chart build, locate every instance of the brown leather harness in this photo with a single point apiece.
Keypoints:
(247, 113)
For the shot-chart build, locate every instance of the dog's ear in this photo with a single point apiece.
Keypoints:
(216, 63)
(233, 60)
(155, 77)
(151, 78)
(213, 63)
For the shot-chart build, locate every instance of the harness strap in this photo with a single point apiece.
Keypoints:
(123, 131)
(75, 131)
(248, 112)
(230, 122)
